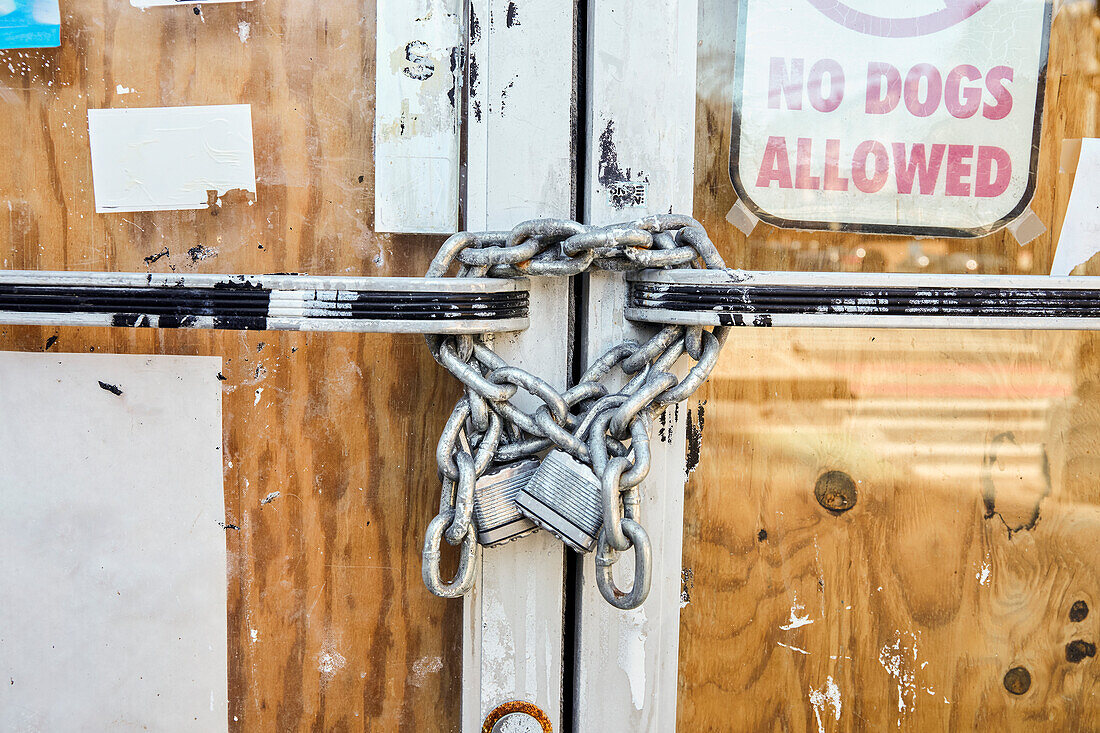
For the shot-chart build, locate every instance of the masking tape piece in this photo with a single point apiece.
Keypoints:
(742, 218)
(1026, 227)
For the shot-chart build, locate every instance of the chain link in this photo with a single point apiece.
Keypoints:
(607, 430)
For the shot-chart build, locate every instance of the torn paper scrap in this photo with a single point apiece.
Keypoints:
(162, 158)
(1080, 237)
(30, 24)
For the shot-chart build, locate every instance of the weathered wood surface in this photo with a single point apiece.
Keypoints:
(976, 528)
(330, 627)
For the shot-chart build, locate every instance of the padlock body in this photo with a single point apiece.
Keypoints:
(563, 497)
(496, 514)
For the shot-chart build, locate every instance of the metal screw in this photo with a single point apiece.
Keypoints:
(836, 491)
(1017, 680)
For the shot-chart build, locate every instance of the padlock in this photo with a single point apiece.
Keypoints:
(563, 497)
(496, 515)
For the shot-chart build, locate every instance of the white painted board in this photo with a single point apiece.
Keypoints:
(156, 158)
(520, 166)
(627, 661)
(418, 92)
(112, 558)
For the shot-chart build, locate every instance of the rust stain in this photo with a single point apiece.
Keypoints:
(516, 706)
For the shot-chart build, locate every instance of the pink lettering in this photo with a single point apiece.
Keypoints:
(776, 165)
(879, 100)
(933, 90)
(985, 184)
(962, 102)
(874, 182)
(802, 177)
(926, 169)
(833, 181)
(958, 168)
(995, 83)
(789, 85)
(815, 85)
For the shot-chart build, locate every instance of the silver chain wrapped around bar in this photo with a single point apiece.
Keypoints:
(605, 429)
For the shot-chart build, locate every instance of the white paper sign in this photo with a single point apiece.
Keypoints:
(157, 158)
(914, 116)
(112, 558)
(1080, 236)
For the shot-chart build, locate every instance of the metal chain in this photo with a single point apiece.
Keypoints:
(606, 429)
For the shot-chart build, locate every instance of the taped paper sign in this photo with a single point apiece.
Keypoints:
(161, 158)
(30, 24)
(916, 117)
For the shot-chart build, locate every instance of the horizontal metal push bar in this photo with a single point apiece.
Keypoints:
(264, 302)
(863, 300)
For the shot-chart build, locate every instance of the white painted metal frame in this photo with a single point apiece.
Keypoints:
(418, 81)
(520, 152)
(641, 130)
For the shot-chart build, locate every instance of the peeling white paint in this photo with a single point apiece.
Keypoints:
(423, 667)
(497, 680)
(119, 89)
(899, 659)
(827, 695)
(793, 648)
(329, 662)
(244, 30)
(796, 620)
(632, 639)
(984, 572)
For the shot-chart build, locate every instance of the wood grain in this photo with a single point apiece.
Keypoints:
(977, 521)
(329, 438)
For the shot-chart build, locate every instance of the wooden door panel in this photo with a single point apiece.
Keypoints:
(329, 438)
(971, 548)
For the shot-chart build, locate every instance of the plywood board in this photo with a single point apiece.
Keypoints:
(973, 537)
(330, 473)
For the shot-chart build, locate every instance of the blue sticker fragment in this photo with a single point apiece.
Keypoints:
(30, 24)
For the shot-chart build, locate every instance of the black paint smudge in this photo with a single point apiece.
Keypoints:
(221, 377)
(608, 170)
(762, 535)
(687, 584)
(511, 15)
(154, 257)
(227, 525)
(475, 27)
(199, 252)
(113, 389)
(50, 342)
(456, 75)
(421, 68)
(504, 93)
(694, 438)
